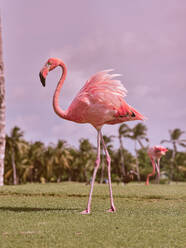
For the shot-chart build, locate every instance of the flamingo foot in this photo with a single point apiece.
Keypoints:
(111, 210)
(86, 211)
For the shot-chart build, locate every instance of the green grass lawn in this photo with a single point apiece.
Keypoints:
(48, 215)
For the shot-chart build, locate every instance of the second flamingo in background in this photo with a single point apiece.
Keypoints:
(155, 153)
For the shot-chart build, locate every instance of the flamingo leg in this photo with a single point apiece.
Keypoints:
(112, 208)
(97, 163)
(153, 172)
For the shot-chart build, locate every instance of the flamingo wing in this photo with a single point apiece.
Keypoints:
(100, 101)
(103, 82)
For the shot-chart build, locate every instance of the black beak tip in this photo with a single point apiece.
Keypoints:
(42, 79)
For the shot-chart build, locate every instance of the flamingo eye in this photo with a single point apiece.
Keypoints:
(48, 64)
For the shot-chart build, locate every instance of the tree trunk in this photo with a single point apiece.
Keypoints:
(137, 164)
(14, 169)
(157, 179)
(2, 112)
(173, 161)
(122, 159)
(84, 174)
(140, 143)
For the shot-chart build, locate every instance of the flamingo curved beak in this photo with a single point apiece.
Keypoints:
(43, 74)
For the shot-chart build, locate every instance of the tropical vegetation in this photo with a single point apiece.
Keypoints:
(36, 162)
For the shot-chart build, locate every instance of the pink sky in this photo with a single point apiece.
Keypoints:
(143, 40)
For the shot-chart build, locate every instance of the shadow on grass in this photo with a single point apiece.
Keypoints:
(29, 209)
(101, 196)
(42, 194)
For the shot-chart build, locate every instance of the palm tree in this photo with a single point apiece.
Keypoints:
(124, 132)
(85, 161)
(62, 159)
(2, 113)
(129, 166)
(34, 163)
(14, 146)
(175, 141)
(139, 133)
(49, 157)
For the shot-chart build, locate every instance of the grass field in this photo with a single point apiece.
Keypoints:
(48, 216)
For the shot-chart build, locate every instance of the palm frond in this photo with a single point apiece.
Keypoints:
(166, 141)
(182, 144)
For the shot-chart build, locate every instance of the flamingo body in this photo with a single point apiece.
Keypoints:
(155, 153)
(100, 101)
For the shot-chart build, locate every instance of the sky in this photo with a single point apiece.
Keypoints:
(145, 41)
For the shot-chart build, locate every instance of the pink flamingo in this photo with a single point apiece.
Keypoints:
(99, 102)
(155, 153)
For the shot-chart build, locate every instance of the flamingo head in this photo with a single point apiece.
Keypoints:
(49, 66)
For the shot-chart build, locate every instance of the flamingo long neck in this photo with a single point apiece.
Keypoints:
(56, 106)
